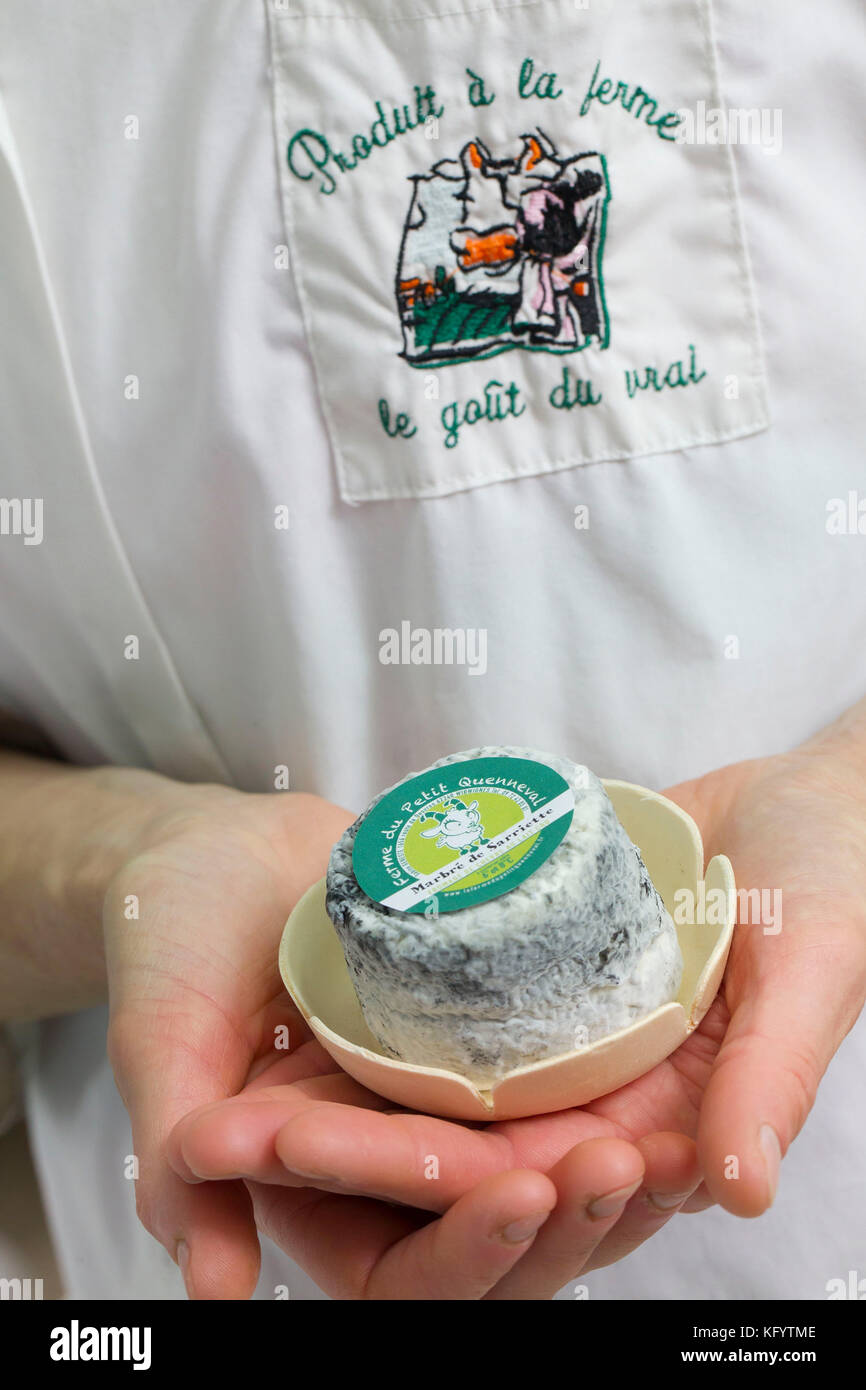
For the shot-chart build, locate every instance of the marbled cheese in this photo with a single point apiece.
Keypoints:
(582, 947)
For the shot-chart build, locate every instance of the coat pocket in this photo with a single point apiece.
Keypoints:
(512, 254)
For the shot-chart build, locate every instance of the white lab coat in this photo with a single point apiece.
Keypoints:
(157, 393)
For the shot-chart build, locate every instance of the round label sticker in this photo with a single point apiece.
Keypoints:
(461, 834)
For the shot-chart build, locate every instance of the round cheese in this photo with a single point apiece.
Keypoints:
(582, 947)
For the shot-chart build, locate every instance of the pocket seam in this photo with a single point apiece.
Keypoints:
(398, 21)
(466, 482)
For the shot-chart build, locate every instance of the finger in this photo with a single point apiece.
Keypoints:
(236, 1138)
(671, 1174)
(329, 1132)
(363, 1145)
(669, 1097)
(699, 1201)
(418, 1159)
(791, 1008)
(283, 1031)
(308, 1059)
(593, 1182)
(469, 1250)
(355, 1248)
(209, 1230)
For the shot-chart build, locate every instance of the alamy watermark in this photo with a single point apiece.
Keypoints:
(437, 646)
(756, 907)
(20, 1290)
(22, 516)
(852, 1287)
(846, 516)
(731, 125)
(77, 1343)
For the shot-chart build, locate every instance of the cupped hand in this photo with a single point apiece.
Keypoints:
(741, 1086)
(192, 924)
(794, 827)
(325, 1160)
(198, 1014)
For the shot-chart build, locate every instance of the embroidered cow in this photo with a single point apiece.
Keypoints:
(504, 253)
(458, 826)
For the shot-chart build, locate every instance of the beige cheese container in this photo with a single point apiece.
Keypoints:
(315, 974)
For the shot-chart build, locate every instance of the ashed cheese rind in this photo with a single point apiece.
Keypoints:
(582, 947)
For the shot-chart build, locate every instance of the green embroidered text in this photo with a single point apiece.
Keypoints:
(309, 151)
(544, 85)
(500, 403)
(572, 391)
(676, 375)
(401, 428)
(636, 101)
(477, 93)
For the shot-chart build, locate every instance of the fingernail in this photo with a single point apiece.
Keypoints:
(666, 1201)
(772, 1151)
(611, 1202)
(522, 1230)
(313, 1177)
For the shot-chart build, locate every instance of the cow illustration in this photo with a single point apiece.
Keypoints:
(503, 253)
(458, 826)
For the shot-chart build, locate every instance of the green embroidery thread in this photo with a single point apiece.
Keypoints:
(454, 417)
(477, 93)
(501, 403)
(402, 422)
(543, 86)
(310, 152)
(606, 95)
(568, 394)
(675, 376)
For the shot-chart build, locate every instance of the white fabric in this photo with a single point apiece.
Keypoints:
(661, 215)
(158, 258)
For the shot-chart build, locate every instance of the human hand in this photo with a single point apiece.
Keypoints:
(754, 1064)
(324, 1160)
(192, 921)
(196, 1008)
(794, 827)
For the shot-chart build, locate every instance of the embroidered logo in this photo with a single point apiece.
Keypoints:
(504, 253)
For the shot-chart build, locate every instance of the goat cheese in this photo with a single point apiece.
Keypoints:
(581, 947)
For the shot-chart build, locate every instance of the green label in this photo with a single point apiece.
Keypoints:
(461, 834)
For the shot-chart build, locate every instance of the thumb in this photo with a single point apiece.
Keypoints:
(791, 1006)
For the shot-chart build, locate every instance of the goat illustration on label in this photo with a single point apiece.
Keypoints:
(504, 253)
(458, 826)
